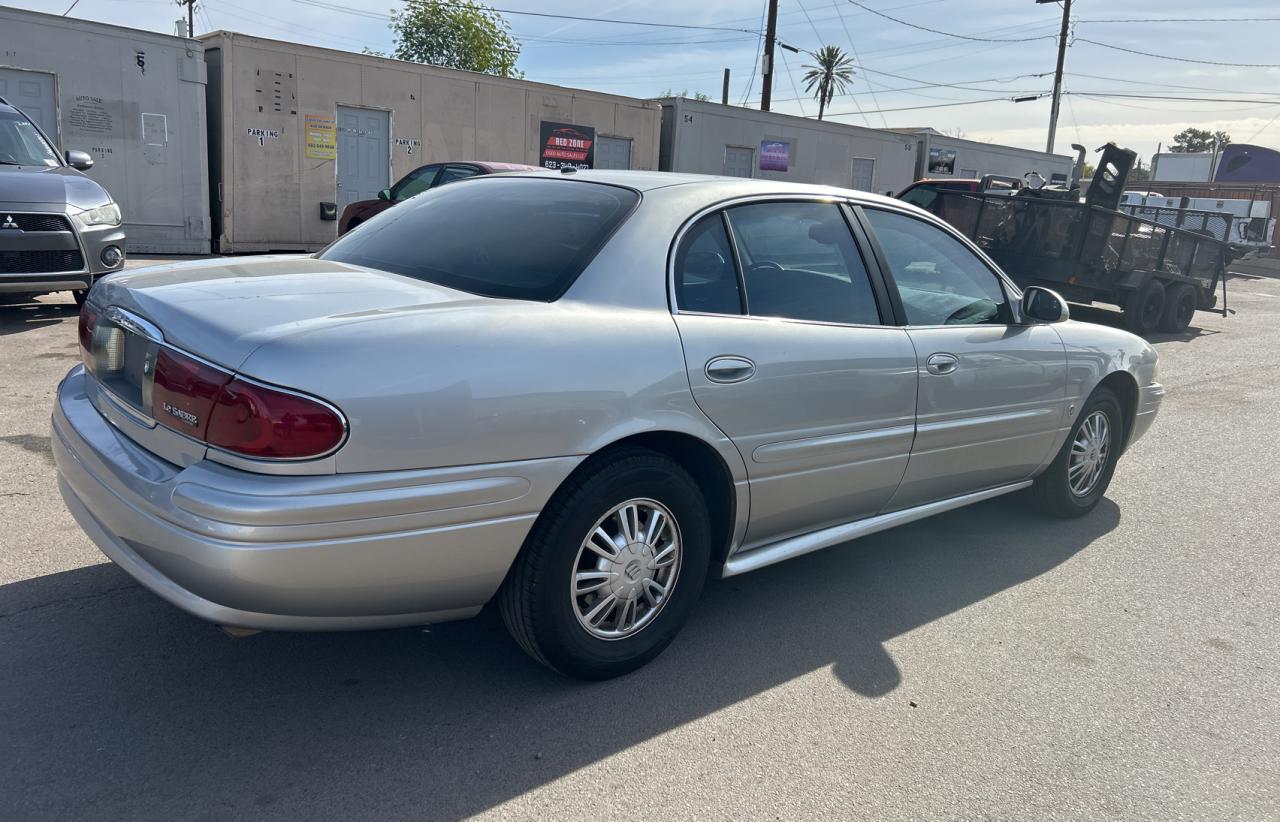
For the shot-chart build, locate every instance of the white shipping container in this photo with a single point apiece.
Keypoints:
(295, 131)
(135, 101)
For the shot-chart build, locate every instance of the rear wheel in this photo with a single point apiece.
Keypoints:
(1179, 308)
(613, 567)
(1143, 309)
(1075, 481)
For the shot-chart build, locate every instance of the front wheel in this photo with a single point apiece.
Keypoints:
(1075, 481)
(612, 568)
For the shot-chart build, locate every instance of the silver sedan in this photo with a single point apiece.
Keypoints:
(575, 395)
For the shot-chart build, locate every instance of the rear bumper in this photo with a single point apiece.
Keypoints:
(333, 552)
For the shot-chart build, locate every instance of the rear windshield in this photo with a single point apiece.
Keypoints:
(522, 238)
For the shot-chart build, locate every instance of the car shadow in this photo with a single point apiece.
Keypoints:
(115, 705)
(18, 315)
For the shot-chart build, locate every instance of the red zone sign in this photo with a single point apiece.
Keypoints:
(567, 146)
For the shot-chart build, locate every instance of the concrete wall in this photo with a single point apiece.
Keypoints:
(109, 79)
(696, 135)
(270, 193)
(977, 159)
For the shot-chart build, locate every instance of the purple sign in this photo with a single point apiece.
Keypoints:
(775, 155)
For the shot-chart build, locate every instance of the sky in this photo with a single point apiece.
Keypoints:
(956, 85)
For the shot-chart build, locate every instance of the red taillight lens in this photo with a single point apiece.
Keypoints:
(257, 421)
(88, 319)
(184, 391)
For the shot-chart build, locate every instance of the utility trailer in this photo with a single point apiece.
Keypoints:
(1090, 252)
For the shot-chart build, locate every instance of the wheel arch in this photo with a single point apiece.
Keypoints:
(726, 497)
(1125, 386)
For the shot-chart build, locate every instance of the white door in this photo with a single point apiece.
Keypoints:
(613, 152)
(864, 174)
(364, 154)
(33, 92)
(737, 161)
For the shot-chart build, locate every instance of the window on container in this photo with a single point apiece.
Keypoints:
(517, 237)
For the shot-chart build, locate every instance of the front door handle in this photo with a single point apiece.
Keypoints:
(942, 363)
(730, 369)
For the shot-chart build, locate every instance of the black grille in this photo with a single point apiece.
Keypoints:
(35, 222)
(39, 262)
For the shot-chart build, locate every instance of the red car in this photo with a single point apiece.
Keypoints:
(418, 181)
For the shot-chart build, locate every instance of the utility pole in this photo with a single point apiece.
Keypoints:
(191, 16)
(724, 90)
(1057, 75)
(770, 37)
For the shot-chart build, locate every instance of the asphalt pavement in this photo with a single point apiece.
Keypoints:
(985, 664)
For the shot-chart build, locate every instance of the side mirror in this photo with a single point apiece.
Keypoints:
(385, 194)
(79, 160)
(1044, 305)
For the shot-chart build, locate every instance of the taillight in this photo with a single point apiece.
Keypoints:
(263, 422)
(88, 319)
(183, 392)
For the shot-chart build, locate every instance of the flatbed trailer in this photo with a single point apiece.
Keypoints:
(1158, 275)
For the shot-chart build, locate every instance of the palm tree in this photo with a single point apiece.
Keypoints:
(830, 77)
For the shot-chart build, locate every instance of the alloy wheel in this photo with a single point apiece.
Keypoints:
(1089, 453)
(626, 569)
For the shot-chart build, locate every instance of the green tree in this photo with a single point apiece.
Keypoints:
(1195, 140)
(830, 77)
(458, 34)
(697, 95)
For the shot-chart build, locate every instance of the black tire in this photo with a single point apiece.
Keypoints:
(1179, 307)
(1052, 493)
(1143, 309)
(537, 599)
(80, 296)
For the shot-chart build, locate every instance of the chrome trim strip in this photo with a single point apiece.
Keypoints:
(987, 419)
(743, 562)
(798, 449)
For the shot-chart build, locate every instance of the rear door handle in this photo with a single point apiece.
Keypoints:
(730, 369)
(942, 363)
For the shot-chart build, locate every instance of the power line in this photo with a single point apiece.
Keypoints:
(1163, 85)
(1167, 57)
(858, 59)
(919, 108)
(945, 33)
(1179, 99)
(755, 64)
(363, 13)
(1264, 128)
(1188, 20)
(794, 88)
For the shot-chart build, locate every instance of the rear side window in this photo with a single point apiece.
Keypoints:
(519, 238)
(706, 278)
(799, 261)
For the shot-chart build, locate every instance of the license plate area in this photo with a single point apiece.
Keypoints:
(123, 358)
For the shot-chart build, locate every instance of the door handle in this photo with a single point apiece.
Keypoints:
(942, 363)
(730, 369)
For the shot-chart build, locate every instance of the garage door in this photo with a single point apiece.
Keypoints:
(364, 154)
(32, 91)
(613, 152)
(737, 161)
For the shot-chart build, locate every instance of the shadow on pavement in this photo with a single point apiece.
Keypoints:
(20, 314)
(114, 705)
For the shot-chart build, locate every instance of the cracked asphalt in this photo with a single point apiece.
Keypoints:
(986, 664)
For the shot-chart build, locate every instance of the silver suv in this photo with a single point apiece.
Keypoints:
(59, 230)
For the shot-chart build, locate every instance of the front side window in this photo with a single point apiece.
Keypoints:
(415, 182)
(22, 145)
(799, 261)
(509, 237)
(940, 281)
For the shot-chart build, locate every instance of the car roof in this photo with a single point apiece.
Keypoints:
(730, 186)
